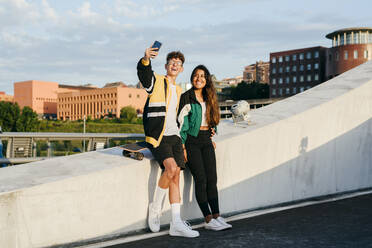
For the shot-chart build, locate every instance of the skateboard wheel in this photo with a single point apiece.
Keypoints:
(139, 156)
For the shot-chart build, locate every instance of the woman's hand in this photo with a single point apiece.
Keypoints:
(185, 154)
(214, 144)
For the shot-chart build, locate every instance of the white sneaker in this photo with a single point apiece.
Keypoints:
(214, 225)
(154, 218)
(223, 222)
(182, 229)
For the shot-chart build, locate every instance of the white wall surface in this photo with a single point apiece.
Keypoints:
(316, 143)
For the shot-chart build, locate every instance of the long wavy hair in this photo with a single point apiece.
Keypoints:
(209, 96)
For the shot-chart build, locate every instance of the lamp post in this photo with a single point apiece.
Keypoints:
(84, 134)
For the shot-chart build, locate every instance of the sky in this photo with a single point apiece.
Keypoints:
(99, 41)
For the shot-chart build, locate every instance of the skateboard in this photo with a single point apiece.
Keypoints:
(134, 150)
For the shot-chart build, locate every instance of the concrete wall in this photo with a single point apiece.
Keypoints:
(316, 143)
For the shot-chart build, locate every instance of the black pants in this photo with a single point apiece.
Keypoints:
(202, 163)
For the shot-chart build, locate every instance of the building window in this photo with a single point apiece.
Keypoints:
(273, 81)
(356, 38)
(287, 58)
(342, 40)
(302, 89)
(337, 56)
(316, 77)
(301, 67)
(287, 91)
(138, 96)
(301, 56)
(316, 66)
(287, 68)
(308, 55)
(355, 54)
(273, 92)
(280, 92)
(294, 68)
(280, 80)
(365, 54)
(130, 95)
(308, 66)
(346, 55)
(273, 60)
(287, 80)
(308, 78)
(273, 71)
(280, 59)
(301, 78)
(294, 79)
(280, 69)
(294, 57)
(294, 90)
(316, 54)
(348, 39)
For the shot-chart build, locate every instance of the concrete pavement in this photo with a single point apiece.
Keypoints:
(343, 223)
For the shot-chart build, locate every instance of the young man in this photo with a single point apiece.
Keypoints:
(162, 135)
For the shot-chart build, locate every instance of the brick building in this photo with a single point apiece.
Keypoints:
(258, 72)
(6, 98)
(294, 71)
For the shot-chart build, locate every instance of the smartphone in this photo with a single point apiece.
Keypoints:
(157, 45)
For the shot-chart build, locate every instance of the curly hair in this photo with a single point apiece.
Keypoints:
(176, 55)
(209, 96)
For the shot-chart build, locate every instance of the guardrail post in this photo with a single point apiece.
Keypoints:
(34, 149)
(9, 148)
(49, 149)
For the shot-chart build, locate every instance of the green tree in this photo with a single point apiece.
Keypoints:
(27, 121)
(129, 114)
(9, 114)
(252, 90)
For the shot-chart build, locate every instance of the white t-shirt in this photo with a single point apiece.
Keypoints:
(204, 118)
(171, 127)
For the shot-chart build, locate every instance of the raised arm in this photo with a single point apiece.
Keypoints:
(144, 70)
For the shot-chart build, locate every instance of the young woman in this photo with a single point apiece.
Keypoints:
(198, 117)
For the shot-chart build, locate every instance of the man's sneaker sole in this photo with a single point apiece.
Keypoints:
(216, 229)
(179, 234)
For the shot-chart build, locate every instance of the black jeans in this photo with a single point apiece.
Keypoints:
(202, 163)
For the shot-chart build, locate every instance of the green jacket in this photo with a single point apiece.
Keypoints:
(189, 115)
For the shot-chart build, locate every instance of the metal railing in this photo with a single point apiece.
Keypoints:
(21, 146)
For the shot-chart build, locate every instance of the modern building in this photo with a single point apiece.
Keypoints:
(41, 96)
(350, 48)
(96, 103)
(258, 72)
(232, 81)
(294, 71)
(68, 102)
(6, 98)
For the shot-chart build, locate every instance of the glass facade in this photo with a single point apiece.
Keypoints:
(352, 37)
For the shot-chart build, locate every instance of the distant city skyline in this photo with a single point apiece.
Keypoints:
(79, 42)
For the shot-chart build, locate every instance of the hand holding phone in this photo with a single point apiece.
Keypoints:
(157, 45)
(152, 51)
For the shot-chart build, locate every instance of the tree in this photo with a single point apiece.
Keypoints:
(252, 90)
(128, 113)
(27, 122)
(9, 114)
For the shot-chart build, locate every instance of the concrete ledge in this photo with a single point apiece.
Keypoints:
(316, 143)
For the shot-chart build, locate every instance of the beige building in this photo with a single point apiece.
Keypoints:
(258, 72)
(95, 103)
(6, 98)
(67, 102)
(41, 96)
